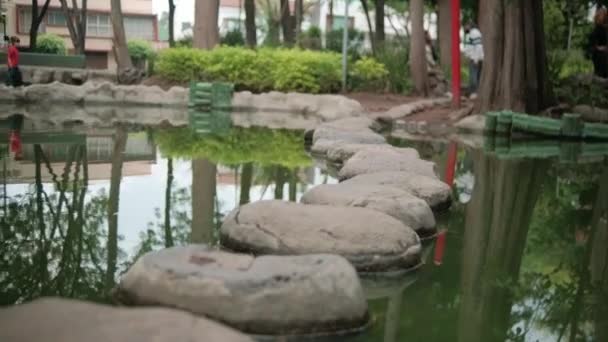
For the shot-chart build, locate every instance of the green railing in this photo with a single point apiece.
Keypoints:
(48, 60)
(209, 107)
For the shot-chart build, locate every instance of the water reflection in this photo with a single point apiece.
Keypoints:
(524, 259)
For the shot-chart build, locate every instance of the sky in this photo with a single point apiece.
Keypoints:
(184, 11)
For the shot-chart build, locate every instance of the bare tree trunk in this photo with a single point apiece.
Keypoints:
(252, 36)
(171, 23)
(76, 21)
(514, 74)
(369, 25)
(380, 37)
(299, 17)
(287, 23)
(121, 52)
(445, 31)
(168, 232)
(203, 201)
(36, 21)
(246, 181)
(120, 142)
(418, 64)
(293, 185)
(206, 34)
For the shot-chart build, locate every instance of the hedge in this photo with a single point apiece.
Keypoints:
(258, 71)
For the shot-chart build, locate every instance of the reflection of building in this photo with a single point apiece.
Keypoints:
(139, 21)
(61, 149)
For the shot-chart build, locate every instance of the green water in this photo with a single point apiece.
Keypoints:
(525, 251)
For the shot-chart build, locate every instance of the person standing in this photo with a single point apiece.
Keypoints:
(14, 74)
(598, 41)
(473, 50)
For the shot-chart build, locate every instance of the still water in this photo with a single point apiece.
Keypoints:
(522, 257)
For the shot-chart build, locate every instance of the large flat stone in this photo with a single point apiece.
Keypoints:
(368, 161)
(265, 295)
(369, 239)
(410, 210)
(435, 192)
(62, 320)
(340, 152)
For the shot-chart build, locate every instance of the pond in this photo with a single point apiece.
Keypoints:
(521, 255)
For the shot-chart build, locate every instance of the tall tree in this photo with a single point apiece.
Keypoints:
(418, 63)
(246, 181)
(380, 22)
(203, 201)
(206, 34)
(299, 17)
(172, 23)
(121, 51)
(372, 39)
(38, 15)
(251, 30)
(287, 23)
(168, 228)
(514, 74)
(445, 32)
(76, 20)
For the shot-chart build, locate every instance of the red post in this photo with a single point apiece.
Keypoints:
(450, 167)
(456, 53)
(439, 248)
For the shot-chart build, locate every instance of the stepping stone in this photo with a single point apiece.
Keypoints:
(370, 240)
(340, 152)
(405, 207)
(63, 320)
(368, 161)
(267, 295)
(435, 192)
(331, 136)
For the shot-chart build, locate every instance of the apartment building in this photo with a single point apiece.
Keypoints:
(139, 19)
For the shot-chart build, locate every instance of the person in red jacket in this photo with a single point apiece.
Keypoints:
(14, 74)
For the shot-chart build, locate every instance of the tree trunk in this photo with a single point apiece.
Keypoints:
(76, 21)
(203, 201)
(514, 74)
(293, 185)
(379, 22)
(246, 181)
(171, 23)
(168, 232)
(252, 36)
(287, 23)
(206, 34)
(299, 17)
(445, 33)
(120, 142)
(126, 72)
(280, 178)
(372, 39)
(37, 19)
(418, 64)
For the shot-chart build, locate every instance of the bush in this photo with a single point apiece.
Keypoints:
(258, 71)
(311, 39)
(563, 64)
(140, 50)
(395, 58)
(233, 38)
(368, 74)
(51, 44)
(184, 42)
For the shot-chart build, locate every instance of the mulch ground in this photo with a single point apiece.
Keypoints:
(374, 102)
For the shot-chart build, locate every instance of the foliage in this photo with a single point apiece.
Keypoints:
(558, 14)
(395, 58)
(259, 145)
(262, 70)
(333, 41)
(233, 38)
(184, 42)
(563, 64)
(311, 38)
(140, 50)
(51, 44)
(368, 74)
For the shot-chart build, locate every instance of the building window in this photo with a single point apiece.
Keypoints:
(56, 18)
(139, 28)
(25, 21)
(98, 25)
(337, 22)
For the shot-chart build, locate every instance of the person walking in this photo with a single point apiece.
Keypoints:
(14, 74)
(473, 50)
(598, 42)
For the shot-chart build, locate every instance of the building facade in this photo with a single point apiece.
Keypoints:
(139, 20)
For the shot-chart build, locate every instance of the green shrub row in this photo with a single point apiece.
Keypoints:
(265, 69)
(51, 44)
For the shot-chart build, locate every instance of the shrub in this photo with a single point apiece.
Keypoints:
(311, 39)
(51, 44)
(395, 58)
(140, 50)
(185, 42)
(368, 74)
(563, 64)
(233, 38)
(262, 70)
